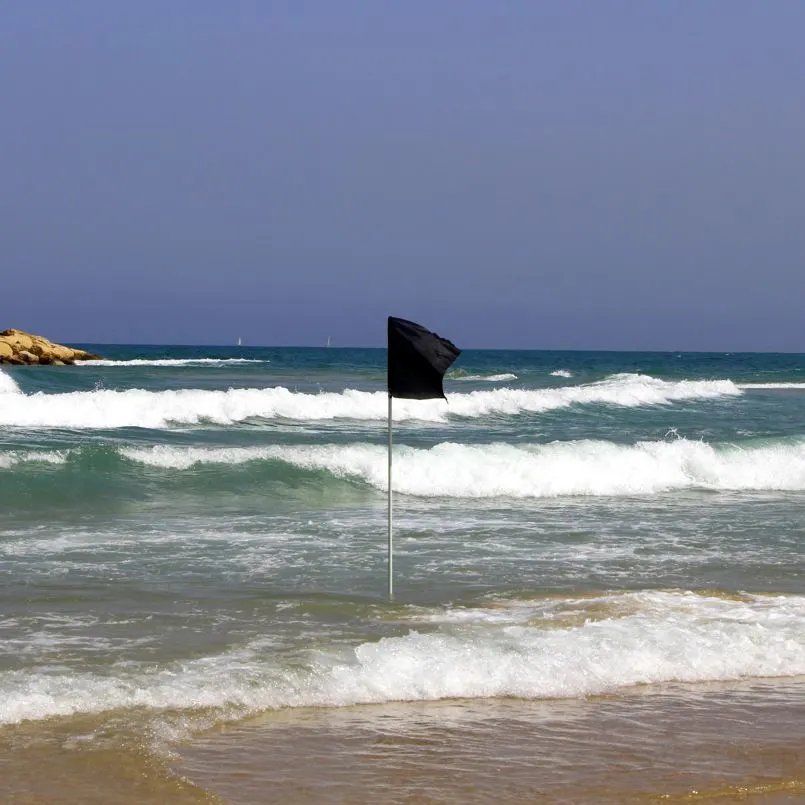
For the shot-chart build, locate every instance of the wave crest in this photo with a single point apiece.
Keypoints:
(172, 362)
(7, 384)
(523, 650)
(593, 468)
(106, 408)
(500, 378)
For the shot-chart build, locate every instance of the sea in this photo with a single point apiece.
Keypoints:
(599, 579)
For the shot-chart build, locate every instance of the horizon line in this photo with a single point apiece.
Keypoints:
(463, 349)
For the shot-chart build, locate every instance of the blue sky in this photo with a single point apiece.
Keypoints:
(564, 174)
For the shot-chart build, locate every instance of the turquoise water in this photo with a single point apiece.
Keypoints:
(201, 530)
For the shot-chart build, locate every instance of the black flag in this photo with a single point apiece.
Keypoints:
(418, 360)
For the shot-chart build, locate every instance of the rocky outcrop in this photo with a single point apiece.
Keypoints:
(21, 348)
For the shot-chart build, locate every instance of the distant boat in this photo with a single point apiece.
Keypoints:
(240, 341)
(328, 341)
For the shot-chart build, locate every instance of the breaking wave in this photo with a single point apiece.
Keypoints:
(106, 408)
(528, 650)
(501, 378)
(593, 468)
(750, 386)
(13, 458)
(173, 362)
(7, 384)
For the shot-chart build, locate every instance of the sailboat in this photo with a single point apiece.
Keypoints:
(240, 341)
(328, 341)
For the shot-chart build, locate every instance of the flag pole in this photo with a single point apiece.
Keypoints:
(390, 560)
(417, 361)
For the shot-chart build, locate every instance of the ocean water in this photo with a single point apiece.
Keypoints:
(599, 578)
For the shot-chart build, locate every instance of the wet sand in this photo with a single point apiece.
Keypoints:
(719, 744)
(731, 743)
(88, 760)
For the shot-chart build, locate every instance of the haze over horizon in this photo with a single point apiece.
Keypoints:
(557, 175)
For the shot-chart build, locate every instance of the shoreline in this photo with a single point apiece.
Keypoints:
(719, 743)
(714, 743)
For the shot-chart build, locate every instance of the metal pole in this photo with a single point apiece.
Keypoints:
(390, 560)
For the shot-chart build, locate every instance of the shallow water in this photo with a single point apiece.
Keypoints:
(717, 743)
(598, 572)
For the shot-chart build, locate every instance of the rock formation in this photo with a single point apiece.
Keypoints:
(21, 348)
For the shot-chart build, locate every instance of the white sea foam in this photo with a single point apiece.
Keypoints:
(107, 408)
(501, 378)
(562, 373)
(751, 386)
(11, 458)
(7, 384)
(536, 471)
(643, 638)
(172, 362)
